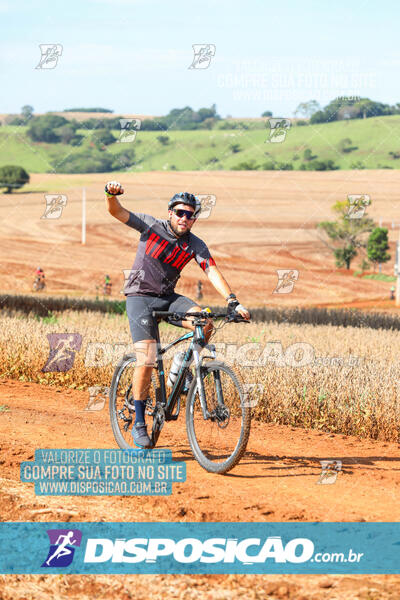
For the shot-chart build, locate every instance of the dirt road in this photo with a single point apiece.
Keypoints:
(275, 481)
(260, 223)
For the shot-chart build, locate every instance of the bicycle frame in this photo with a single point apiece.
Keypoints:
(198, 339)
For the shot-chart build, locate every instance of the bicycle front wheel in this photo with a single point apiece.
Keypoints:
(219, 441)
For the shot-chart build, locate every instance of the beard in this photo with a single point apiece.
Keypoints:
(176, 231)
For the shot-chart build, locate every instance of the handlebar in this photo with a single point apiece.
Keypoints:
(203, 315)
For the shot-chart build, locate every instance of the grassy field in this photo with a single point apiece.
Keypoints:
(342, 380)
(212, 149)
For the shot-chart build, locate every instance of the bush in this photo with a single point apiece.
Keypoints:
(207, 123)
(247, 165)
(319, 165)
(269, 165)
(345, 146)
(123, 159)
(301, 123)
(87, 162)
(357, 165)
(67, 134)
(235, 148)
(13, 177)
(17, 121)
(163, 139)
(284, 166)
(103, 137)
(153, 125)
(395, 155)
(233, 125)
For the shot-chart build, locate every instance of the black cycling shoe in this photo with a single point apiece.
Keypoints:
(140, 436)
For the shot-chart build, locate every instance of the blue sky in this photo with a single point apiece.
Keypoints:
(133, 55)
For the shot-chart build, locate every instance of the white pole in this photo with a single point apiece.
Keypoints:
(83, 216)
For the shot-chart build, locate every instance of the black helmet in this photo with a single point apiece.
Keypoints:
(186, 198)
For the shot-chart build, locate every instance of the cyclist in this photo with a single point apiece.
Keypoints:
(107, 285)
(39, 277)
(165, 247)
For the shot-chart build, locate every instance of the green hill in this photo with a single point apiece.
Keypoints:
(372, 140)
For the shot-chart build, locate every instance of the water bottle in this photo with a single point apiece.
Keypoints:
(175, 367)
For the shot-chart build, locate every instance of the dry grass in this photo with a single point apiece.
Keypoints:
(355, 395)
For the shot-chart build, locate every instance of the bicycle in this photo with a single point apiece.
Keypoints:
(217, 416)
(38, 284)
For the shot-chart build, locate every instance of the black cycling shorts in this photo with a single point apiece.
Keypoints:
(139, 309)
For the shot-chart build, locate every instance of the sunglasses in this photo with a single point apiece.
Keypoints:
(180, 212)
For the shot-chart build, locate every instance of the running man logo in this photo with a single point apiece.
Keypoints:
(98, 395)
(358, 203)
(54, 206)
(50, 54)
(278, 130)
(62, 547)
(129, 129)
(203, 54)
(62, 351)
(286, 280)
(207, 201)
(330, 470)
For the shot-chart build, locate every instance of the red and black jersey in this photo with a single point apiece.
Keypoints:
(161, 256)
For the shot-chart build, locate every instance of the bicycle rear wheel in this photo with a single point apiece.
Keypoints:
(218, 442)
(120, 392)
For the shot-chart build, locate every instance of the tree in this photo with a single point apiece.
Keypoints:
(103, 137)
(344, 256)
(66, 133)
(27, 112)
(319, 117)
(42, 128)
(345, 235)
(12, 177)
(377, 245)
(307, 109)
(308, 155)
(267, 113)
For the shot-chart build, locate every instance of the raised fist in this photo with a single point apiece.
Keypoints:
(114, 188)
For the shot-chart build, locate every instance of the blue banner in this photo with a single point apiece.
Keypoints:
(249, 548)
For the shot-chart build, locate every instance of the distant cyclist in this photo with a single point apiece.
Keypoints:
(107, 285)
(39, 273)
(39, 282)
(166, 246)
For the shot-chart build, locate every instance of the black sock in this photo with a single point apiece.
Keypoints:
(139, 411)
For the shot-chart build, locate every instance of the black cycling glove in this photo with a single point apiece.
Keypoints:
(232, 307)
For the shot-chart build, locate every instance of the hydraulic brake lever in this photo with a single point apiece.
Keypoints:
(236, 319)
